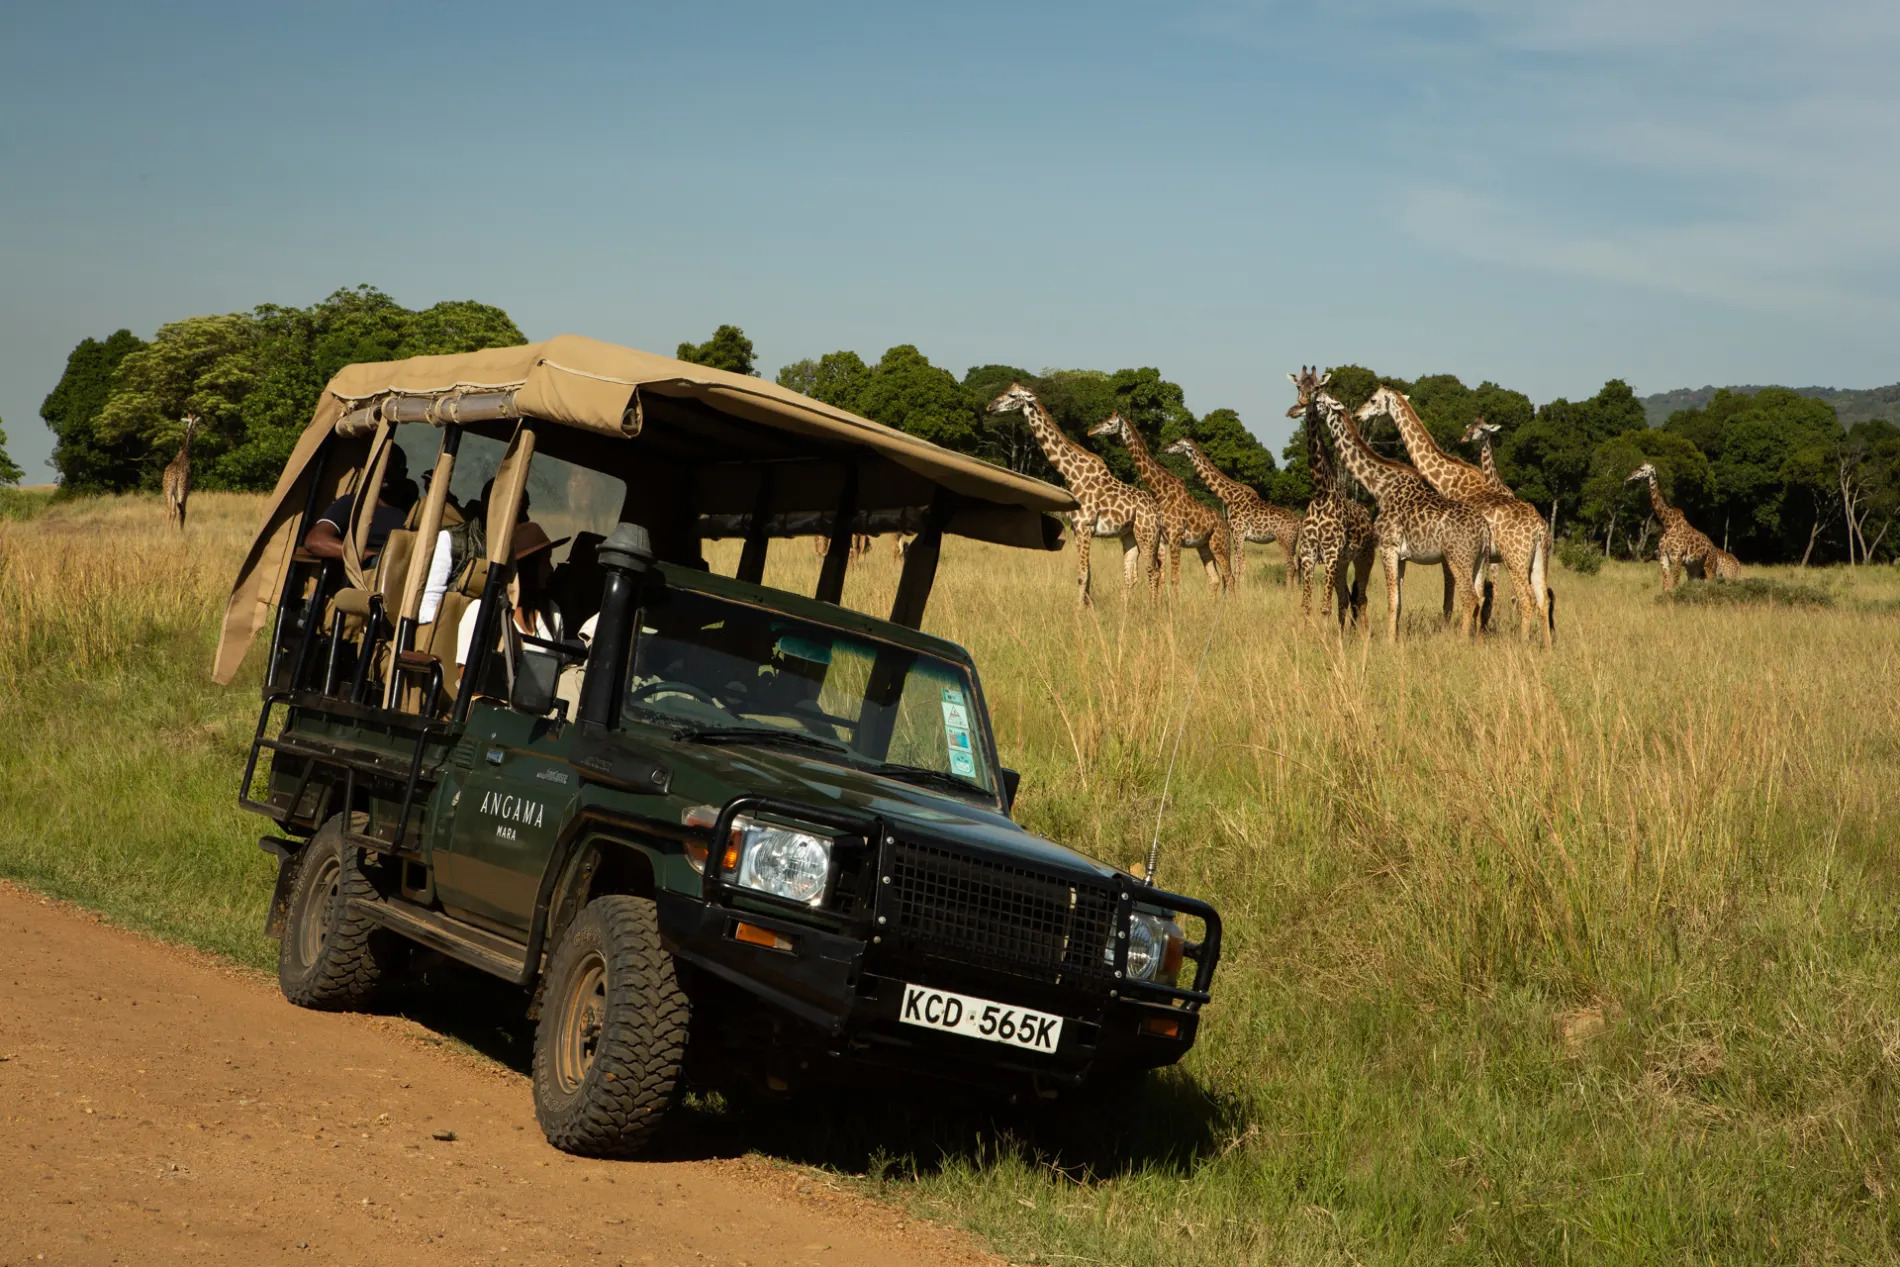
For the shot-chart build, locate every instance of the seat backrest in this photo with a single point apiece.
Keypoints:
(392, 567)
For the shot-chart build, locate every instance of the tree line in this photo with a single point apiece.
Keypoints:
(253, 379)
(1772, 475)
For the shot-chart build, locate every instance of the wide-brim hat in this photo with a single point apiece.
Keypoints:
(531, 538)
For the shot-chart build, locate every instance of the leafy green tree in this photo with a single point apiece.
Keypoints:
(904, 390)
(10, 472)
(254, 377)
(1775, 456)
(1618, 511)
(837, 378)
(1236, 450)
(728, 349)
(1869, 475)
(85, 462)
(1548, 458)
(201, 365)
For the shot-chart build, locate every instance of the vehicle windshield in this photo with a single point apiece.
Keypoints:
(735, 673)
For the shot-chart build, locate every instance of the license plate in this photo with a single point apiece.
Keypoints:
(980, 1018)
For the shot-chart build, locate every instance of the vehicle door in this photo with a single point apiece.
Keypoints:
(512, 791)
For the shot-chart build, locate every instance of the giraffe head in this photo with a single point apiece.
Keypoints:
(1017, 397)
(1183, 447)
(1308, 383)
(1384, 401)
(1478, 429)
(1646, 471)
(1113, 425)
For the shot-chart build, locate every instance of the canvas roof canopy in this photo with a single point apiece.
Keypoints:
(705, 454)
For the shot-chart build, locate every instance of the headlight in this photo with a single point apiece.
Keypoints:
(1154, 948)
(783, 861)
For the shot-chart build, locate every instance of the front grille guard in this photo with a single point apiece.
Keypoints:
(883, 848)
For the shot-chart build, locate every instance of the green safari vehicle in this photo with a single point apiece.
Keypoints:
(721, 835)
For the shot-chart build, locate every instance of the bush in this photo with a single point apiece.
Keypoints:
(1754, 589)
(1579, 556)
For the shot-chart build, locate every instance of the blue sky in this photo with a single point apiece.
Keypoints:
(1544, 194)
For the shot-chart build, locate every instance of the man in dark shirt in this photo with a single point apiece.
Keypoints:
(325, 538)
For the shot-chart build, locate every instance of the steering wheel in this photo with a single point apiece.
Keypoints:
(664, 687)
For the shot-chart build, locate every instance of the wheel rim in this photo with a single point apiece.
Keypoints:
(324, 892)
(583, 1017)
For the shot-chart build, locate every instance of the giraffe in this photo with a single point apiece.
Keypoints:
(1480, 433)
(1185, 521)
(1336, 532)
(177, 481)
(1520, 539)
(1681, 544)
(1108, 507)
(1251, 516)
(1722, 566)
(1416, 522)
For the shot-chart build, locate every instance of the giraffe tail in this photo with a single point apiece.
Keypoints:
(1540, 577)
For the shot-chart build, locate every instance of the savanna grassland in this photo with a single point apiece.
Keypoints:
(1582, 956)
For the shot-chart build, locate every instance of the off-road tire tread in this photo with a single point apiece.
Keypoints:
(352, 962)
(637, 1075)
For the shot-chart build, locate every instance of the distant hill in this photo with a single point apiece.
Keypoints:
(1850, 406)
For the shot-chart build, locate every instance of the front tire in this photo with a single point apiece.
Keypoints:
(327, 956)
(611, 1041)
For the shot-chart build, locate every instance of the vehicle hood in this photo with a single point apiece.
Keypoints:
(715, 773)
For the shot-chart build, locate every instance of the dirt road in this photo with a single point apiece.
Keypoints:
(158, 1107)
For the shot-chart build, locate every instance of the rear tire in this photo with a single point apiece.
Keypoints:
(611, 1042)
(327, 956)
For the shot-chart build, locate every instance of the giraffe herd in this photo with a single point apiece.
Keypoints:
(1437, 510)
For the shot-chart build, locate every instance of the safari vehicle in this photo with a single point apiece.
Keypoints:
(734, 837)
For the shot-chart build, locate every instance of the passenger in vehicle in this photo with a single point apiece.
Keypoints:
(535, 613)
(325, 538)
(456, 546)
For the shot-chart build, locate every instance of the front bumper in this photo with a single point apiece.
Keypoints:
(846, 996)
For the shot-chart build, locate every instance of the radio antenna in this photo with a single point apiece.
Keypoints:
(1154, 845)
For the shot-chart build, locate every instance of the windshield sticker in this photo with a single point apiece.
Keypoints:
(956, 736)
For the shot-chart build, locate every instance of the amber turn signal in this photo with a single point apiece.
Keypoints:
(1166, 1026)
(753, 935)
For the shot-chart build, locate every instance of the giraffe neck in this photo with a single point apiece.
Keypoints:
(1068, 457)
(1436, 465)
(1375, 472)
(1156, 476)
(1318, 463)
(1228, 490)
(1486, 460)
(1664, 511)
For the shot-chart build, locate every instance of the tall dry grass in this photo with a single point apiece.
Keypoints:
(1576, 956)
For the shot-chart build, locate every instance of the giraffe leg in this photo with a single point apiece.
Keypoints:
(1394, 584)
(1342, 591)
(1174, 556)
(1240, 546)
(1305, 569)
(1226, 574)
(1451, 589)
(1083, 540)
(1148, 536)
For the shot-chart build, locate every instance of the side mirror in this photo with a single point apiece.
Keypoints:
(1012, 779)
(537, 675)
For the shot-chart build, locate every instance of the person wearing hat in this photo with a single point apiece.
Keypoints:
(533, 609)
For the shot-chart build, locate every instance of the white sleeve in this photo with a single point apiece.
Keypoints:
(438, 583)
(465, 633)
